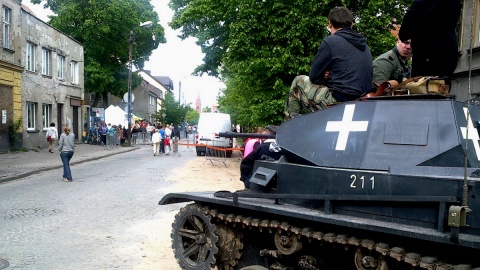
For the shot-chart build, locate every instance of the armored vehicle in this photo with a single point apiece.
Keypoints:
(386, 183)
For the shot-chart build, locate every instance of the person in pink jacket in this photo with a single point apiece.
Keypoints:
(250, 145)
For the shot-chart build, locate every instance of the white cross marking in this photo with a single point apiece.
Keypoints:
(472, 132)
(346, 126)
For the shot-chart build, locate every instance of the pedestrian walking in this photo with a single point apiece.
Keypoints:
(66, 145)
(161, 130)
(51, 136)
(111, 134)
(166, 144)
(156, 139)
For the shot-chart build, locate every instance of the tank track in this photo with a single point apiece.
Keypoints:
(383, 249)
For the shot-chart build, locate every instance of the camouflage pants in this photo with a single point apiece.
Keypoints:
(306, 97)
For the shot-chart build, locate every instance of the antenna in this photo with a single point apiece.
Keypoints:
(465, 186)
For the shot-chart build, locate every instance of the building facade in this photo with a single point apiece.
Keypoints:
(463, 86)
(10, 71)
(53, 86)
(147, 100)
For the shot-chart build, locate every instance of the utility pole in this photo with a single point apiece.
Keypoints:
(179, 91)
(129, 101)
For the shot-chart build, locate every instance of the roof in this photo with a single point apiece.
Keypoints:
(164, 80)
(152, 89)
(27, 9)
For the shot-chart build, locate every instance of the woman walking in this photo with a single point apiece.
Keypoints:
(51, 136)
(66, 145)
(156, 139)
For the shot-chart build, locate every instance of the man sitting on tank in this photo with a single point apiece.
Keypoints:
(392, 67)
(341, 70)
(268, 150)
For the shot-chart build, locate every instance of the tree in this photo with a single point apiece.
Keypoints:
(192, 117)
(258, 47)
(173, 110)
(103, 27)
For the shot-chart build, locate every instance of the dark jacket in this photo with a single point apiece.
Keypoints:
(260, 153)
(430, 24)
(347, 56)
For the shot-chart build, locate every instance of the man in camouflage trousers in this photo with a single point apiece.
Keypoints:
(305, 97)
(341, 70)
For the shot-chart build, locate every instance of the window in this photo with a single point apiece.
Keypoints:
(7, 17)
(74, 71)
(30, 57)
(46, 62)
(153, 100)
(31, 115)
(46, 115)
(61, 66)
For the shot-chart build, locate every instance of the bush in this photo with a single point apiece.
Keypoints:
(13, 127)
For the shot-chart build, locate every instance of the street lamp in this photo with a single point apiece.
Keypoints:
(163, 115)
(129, 99)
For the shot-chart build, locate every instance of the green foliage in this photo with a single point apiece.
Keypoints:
(258, 47)
(174, 112)
(192, 117)
(104, 27)
(14, 136)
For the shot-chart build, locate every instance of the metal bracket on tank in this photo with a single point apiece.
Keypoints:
(263, 176)
(457, 217)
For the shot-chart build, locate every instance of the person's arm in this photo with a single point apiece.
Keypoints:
(246, 166)
(320, 64)
(61, 141)
(383, 70)
(256, 145)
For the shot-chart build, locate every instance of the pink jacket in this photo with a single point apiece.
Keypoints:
(250, 146)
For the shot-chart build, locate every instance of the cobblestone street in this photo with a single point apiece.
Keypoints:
(108, 217)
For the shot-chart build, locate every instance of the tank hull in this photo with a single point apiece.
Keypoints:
(382, 184)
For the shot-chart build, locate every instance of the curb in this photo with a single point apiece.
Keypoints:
(22, 175)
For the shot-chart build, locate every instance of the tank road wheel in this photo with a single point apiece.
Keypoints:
(193, 239)
(369, 262)
(229, 245)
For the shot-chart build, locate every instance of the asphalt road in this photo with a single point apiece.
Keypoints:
(107, 218)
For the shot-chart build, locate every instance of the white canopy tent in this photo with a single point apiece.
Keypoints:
(116, 116)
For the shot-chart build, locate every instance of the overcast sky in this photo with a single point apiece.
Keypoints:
(176, 59)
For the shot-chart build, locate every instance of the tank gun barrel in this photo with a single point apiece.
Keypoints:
(245, 135)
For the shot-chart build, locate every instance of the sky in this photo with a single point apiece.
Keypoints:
(176, 59)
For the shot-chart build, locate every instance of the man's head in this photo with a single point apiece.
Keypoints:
(271, 129)
(405, 48)
(340, 17)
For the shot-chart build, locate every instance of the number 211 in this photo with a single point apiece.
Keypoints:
(362, 180)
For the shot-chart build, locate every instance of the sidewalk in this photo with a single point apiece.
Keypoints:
(17, 165)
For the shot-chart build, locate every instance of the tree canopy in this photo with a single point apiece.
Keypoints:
(174, 111)
(192, 117)
(259, 46)
(104, 27)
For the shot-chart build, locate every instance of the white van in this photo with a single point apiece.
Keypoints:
(209, 126)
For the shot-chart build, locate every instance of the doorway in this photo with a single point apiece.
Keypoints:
(60, 117)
